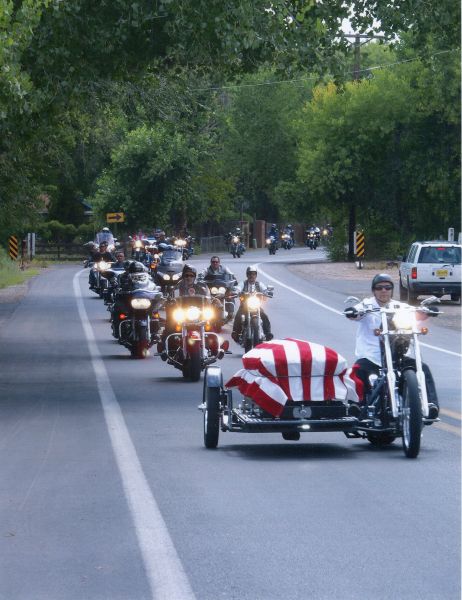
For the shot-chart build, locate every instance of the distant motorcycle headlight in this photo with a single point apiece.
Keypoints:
(140, 303)
(221, 290)
(214, 290)
(180, 243)
(235, 240)
(268, 241)
(138, 244)
(207, 313)
(103, 266)
(166, 276)
(179, 315)
(253, 302)
(404, 319)
(193, 313)
(176, 277)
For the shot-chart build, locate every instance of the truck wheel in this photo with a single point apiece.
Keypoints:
(402, 291)
(411, 296)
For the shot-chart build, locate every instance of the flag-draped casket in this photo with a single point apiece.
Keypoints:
(291, 369)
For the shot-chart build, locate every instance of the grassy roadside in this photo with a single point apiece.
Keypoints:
(11, 274)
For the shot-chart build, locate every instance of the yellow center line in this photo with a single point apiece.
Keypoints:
(450, 413)
(447, 427)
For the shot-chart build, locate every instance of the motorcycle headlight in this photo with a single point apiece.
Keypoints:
(166, 276)
(179, 315)
(235, 240)
(253, 302)
(143, 303)
(221, 290)
(138, 244)
(176, 277)
(180, 243)
(207, 313)
(103, 266)
(268, 241)
(404, 319)
(193, 313)
(214, 290)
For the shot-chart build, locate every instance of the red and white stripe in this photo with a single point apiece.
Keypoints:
(280, 370)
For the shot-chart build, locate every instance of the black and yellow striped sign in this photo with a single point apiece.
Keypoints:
(360, 244)
(13, 248)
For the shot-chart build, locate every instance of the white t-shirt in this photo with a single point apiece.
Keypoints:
(367, 343)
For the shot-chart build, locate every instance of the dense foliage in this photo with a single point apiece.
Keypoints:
(190, 111)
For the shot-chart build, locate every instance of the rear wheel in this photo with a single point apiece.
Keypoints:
(412, 415)
(212, 417)
(292, 436)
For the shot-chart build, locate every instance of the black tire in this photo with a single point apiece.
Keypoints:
(292, 436)
(211, 417)
(379, 440)
(411, 296)
(140, 349)
(255, 334)
(195, 363)
(402, 291)
(412, 415)
(455, 297)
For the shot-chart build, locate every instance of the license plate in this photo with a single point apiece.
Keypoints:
(441, 272)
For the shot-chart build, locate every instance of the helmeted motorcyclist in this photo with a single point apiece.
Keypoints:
(134, 275)
(367, 350)
(274, 231)
(249, 285)
(105, 235)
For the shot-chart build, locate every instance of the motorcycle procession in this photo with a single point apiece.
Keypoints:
(285, 385)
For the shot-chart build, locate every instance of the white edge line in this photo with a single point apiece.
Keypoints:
(164, 570)
(339, 312)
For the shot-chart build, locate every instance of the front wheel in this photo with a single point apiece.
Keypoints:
(412, 415)
(140, 349)
(212, 417)
(194, 365)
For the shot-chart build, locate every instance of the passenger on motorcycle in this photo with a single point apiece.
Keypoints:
(367, 350)
(248, 285)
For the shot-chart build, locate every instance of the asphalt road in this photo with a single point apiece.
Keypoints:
(107, 491)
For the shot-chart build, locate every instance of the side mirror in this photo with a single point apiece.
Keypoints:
(351, 299)
(270, 288)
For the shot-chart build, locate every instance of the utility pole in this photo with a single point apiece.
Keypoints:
(356, 76)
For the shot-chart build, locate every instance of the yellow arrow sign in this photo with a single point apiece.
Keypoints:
(118, 217)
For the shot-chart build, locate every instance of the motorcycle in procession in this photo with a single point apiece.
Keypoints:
(311, 240)
(397, 404)
(99, 269)
(169, 268)
(286, 241)
(186, 247)
(193, 345)
(252, 329)
(236, 247)
(135, 313)
(272, 244)
(223, 291)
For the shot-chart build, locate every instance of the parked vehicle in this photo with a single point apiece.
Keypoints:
(193, 345)
(431, 268)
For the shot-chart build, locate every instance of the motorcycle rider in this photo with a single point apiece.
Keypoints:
(215, 268)
(127, 280)
(105, 235)
(101, 254)
(274, 232)
(251, 284)
(289, 229)
(367, 350)
(188, 286)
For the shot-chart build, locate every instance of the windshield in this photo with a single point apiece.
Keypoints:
(440, 254)
(169, 256)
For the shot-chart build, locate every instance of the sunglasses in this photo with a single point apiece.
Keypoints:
(189, 275)
(383, 287)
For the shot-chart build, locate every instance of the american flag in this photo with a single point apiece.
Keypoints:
(292, 369)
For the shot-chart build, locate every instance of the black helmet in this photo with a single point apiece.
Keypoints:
(136, 267)
(127, 264)
(273, 225)
(189, 269)
(251, 269)
(382, 278)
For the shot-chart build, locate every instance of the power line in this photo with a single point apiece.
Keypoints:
(313, 78)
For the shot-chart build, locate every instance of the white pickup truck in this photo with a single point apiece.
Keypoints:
(431, 268)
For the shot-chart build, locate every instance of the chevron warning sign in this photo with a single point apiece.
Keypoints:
(13, 247)
(359, 244)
